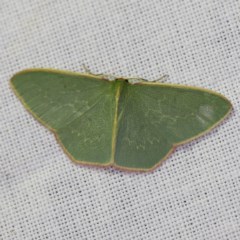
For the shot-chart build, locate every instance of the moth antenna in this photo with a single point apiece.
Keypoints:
(102, 75)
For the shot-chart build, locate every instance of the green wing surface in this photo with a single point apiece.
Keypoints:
(115, 123)
(153, 118)
(79, 109)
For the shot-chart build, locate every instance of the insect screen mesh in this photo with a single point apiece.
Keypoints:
(193, 195)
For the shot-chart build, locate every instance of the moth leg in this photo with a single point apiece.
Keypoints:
(87, 69)
(162, 79)
(133, 80)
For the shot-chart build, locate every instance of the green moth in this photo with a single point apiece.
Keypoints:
(132, 126)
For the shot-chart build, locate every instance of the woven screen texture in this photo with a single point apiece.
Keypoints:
(195, 194)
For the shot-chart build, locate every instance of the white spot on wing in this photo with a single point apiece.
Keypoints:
(206, 111)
